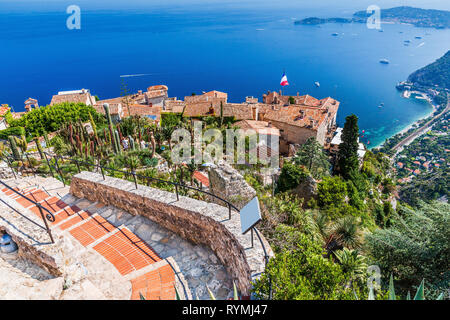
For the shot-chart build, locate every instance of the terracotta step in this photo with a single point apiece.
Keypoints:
(126, 251)
(94, 228)
(157, 284)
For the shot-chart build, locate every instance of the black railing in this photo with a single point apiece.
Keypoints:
(48, 216)
(136, 176)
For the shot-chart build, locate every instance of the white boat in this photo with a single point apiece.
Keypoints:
(384, 61)
(317, 83)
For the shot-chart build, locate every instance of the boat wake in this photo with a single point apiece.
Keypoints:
(135, 75)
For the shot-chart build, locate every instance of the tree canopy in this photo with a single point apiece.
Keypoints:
(51, 118)
(311, 155)
(348, 149)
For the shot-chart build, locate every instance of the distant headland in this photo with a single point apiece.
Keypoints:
(426, 18)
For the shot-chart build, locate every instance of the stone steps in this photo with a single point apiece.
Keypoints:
(78, 219)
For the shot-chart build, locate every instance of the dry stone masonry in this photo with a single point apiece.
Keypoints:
(227, 183)
(197, 221)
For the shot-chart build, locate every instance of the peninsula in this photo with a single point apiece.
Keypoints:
(425, 18)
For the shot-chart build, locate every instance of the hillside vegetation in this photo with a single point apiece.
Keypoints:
(436, 73)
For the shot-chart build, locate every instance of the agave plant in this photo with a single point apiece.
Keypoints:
(235, 293)
(420, 295)
(177, 296)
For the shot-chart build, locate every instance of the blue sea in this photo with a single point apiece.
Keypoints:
(239, 47)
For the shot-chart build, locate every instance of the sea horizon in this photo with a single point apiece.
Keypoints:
(221, 47)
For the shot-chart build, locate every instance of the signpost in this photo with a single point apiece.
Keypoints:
(250, 216)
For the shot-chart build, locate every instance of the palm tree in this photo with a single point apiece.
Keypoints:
(344, 232)
(352, 263)
(191, 168)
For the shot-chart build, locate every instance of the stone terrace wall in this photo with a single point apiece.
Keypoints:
(194, 220)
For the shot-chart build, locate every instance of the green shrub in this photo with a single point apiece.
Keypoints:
(12, 131)
(290, 177)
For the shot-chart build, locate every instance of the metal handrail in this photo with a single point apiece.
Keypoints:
(135, 175)
(48, 216)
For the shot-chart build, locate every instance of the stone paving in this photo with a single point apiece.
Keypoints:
(25, 266)
(197, 263)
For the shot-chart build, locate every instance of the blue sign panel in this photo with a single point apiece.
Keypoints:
(250, 215)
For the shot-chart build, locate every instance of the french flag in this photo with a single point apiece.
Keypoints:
(284, 80)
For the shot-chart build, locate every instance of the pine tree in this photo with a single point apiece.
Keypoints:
(311, 155)
(348, 149)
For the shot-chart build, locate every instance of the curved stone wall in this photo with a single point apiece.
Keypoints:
(194, 220)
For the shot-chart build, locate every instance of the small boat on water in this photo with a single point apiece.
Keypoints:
(335, 34)
(384, 61)
(417, 37)
(381, 105)
(317, 83)
(407, 41)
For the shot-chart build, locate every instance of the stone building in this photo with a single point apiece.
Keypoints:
(76, 96)
(31, 103)
(156, 96)
(116, 110)
(308, 117)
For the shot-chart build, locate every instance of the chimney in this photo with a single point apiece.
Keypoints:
(255, 112)
(139, 91)
(311, 122)
(269, 124)
(298, 94)
(280, 92)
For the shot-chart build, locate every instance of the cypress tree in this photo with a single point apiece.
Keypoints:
(348, 149)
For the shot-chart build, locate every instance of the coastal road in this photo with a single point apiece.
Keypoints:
(399, 146)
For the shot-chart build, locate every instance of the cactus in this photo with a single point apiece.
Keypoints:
(221, 114)
(140, 139)
(120, 133)
(114, 138)
(79, 145)
(117, 142)
(22, 143)
(15, 151)
(153, 142)
(39, 147)
(47, 142)
(107, 113)
(132, 145)
(94, 127)
(92, 148)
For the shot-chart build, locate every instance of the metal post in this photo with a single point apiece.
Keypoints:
(32, 168)
(176, 190)
(103, 173)
(78, 166)
(229, 211)
(59, 170)
(134, 178)
(49, 166)
(46, 224)
(251, 235)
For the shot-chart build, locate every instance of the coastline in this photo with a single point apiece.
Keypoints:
(433, 110)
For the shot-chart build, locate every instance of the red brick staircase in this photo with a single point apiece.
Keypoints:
(122, 248)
